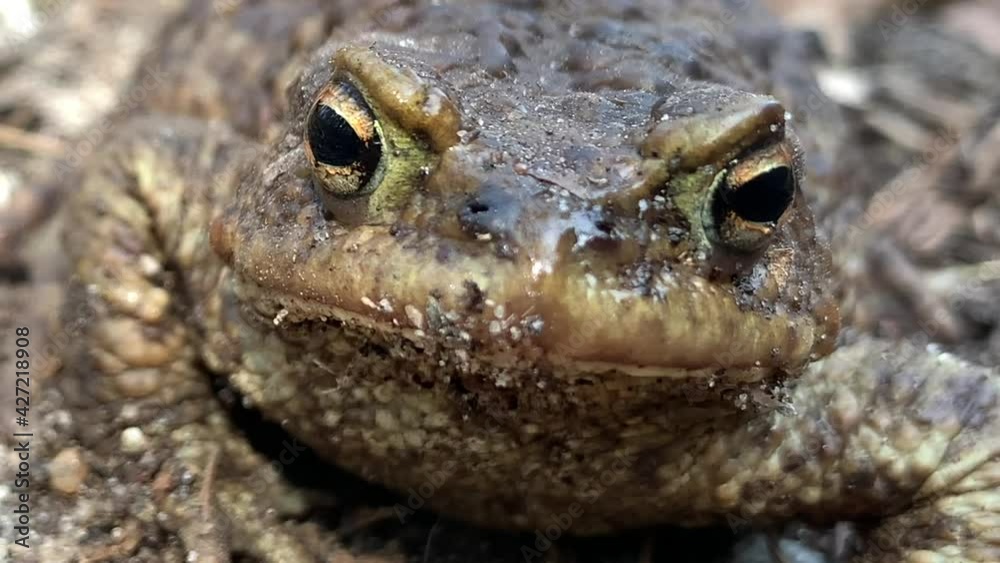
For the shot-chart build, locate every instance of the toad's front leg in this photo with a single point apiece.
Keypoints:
(933, 421)
(879, 430)
(147, 303)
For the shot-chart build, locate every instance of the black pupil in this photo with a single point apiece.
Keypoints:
(764, 198)
(335, 143)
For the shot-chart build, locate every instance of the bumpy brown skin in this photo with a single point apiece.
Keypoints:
(537, 306)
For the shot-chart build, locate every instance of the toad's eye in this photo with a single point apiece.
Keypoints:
(344, 142)
(748, 201)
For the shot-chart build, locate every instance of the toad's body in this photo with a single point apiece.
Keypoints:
(560, 256)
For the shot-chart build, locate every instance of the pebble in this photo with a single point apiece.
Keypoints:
(133, 440)
(68, 471)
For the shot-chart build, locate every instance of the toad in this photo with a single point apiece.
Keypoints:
(561, 254)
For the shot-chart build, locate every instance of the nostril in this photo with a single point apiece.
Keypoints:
(605, 226)
(477, 218)
(475, 206)
(492, 213)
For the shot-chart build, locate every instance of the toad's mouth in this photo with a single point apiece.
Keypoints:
(517, 313)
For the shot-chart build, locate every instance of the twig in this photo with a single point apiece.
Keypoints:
(19, 139)
(430, 538)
